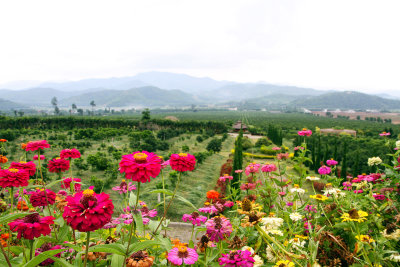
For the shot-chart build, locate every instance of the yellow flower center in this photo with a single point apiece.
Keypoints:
(13, 170)
(296, 186)
(22, 162)
(304, 129)
(58, 158)
(226, 175)
(183, 155)
(88, 192)
(140, 157)
(123, 180)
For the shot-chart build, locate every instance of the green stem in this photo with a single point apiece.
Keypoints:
(87, 248)
(12, 198)
(5, 255)
(132, 223)
(31, 249)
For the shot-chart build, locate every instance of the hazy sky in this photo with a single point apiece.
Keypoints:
(334, 44)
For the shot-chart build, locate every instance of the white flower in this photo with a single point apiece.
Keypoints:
(272, 231)
(249, 249)
(270, 254)
(312, 178)
(298, 190)
(395, 257)
(272, 222)
(334, 192)
(394, 236)
(398, 144)
(258, 261)
(374, 161)
(295, 216)
(297, 243)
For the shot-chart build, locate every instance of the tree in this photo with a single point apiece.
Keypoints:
(237, 160)
(344, 162)
(215, 145)
(74, 107)
(146, 115)
(80, 111)
(93, 105)
(54, 102)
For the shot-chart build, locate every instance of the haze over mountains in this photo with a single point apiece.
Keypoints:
(162, 89)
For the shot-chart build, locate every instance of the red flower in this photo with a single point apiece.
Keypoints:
(140, 166)
(70, 153)
(66, 183)
(13, 178)
(58, 165)
(38, 198)
(212, 194)
(32, 226)
(3, 140)
(182, 162)
(35, 145)
(87, 211)
(30, 166)
(47, 247)
(3, 159)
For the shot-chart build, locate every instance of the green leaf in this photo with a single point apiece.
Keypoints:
(109, 248)
(11, 217)
(132, 199)
(139, 221)
(164, 191)
(141, 245)
(61, 262)
(43, 256)
(117, 260)
(187, 202)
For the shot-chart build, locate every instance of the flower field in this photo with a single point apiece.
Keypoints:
(275, 213)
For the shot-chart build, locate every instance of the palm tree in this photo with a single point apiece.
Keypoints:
(93, 105)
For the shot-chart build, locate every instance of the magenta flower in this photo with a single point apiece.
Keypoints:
(384, 134)
(31, 226)
(42, 157)
(209, 209)
(359, 191)
(305, 132)
(123, 188)
(252, 168)
(331, 162)
(276, 148)
(281, 193)
(324, 170)
(238, 171)
(379, 197)
(47, 247)
(237, 258)
(282, 156)
(182, 162)
(195, 218)
(229, 204)
(218, 228)
(70, 153)
(225, 177)
(66, 183)
(268, 168)
(310, 208)
(298, 148)
(347, 186)
(29, 167)
(140, 166)
(35, 145)
(58, 165)
(182, 255)
(41, 198)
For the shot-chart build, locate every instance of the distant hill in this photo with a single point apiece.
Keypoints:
(347, 100)
(8, 105)
(148, 96)
(33, 96)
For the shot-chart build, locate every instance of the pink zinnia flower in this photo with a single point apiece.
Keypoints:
(359, 191)
(182, 162)
(298, 148)
(182, 255)
(70, 153)
(140, 166)
(238, 171)
(268, 168)
(384, 134)
(87, 211)
(281, 193)
(218, 228)
(31, 226)
(195, 218)
(237, 258)
(324, 170)
(276, 148)
(66, 183)
(42, 157)
(225, 177)
(47, 247)
(165, 164)
(209, 209)
(58, 165)
(40, 198)
(123, 188)
(229, 204)
(252, 168)
(13, 178)
(379, 197)
(310, 208)
(282, 156)
(347, 186)
(331, 162)
(29, 167)
(35, 145)
(304, 132)
(248, 186)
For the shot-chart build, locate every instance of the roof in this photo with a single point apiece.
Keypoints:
(239, 125)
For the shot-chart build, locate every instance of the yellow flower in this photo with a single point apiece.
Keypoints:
(285, 263)
(354, 216)
(301, 236)
(319, 197)
(365, 238)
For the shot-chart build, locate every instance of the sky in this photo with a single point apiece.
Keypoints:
(338, 44)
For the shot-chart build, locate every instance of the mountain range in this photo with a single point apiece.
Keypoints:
(162, 89)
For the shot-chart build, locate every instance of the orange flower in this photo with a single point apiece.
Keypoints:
(23, 146)
(3, 159)
(22, 205)
(3, 140)
(212, 194)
